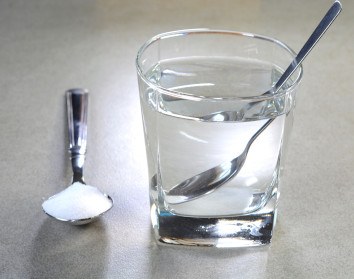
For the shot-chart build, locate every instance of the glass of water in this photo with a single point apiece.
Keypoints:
(214, 164)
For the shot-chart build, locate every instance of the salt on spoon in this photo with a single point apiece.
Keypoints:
(79, 203)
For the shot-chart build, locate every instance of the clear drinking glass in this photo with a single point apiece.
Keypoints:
(201, 94)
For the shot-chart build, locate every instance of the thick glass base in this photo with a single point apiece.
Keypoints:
(253, 229)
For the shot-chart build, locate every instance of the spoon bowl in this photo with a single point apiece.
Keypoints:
(78, 204)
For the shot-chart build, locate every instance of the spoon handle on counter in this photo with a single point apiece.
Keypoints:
(77, 109)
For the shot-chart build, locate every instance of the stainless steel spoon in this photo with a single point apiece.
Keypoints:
(210, 180)
(79, 203)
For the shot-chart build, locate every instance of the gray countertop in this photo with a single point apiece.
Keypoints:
(49, 46)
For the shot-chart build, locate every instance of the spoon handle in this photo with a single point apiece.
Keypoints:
(322, 27)
(77, 108)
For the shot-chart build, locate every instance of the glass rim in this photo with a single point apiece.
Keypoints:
(185, 95)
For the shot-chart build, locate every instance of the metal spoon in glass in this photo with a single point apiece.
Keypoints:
(210, 180)
(79, 203)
